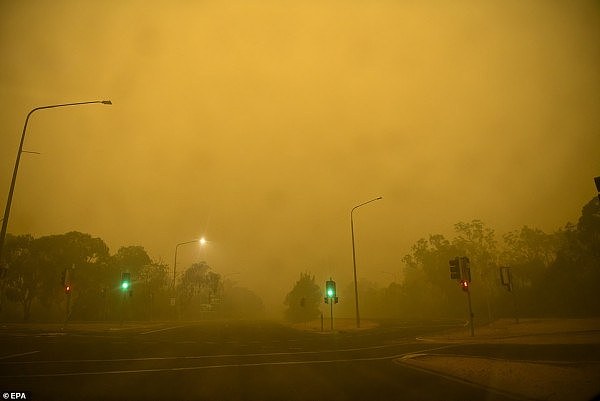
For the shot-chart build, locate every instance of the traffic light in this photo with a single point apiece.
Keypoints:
(330, 288)
(465, 269)
(68, 289)
(464, 284)
(455, 268)
(125, 281)
(330, 292)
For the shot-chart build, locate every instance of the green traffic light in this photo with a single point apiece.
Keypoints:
(330, 288)
(125, 280)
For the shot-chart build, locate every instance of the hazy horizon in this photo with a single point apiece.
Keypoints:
(260, 126)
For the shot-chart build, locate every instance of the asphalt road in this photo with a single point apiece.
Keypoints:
(232, 361)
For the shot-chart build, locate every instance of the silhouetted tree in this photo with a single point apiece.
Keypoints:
(153, 290)
(303, 300)
(572, 280)
(36, 267)
(198, 289)
(427, 285)
(21, 283)
(241, 302)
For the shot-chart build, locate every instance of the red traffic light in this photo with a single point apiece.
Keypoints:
(464, 285)
(67, 289)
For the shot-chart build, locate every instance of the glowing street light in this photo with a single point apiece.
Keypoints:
(354, 257)
(16, 169)
(202, 241)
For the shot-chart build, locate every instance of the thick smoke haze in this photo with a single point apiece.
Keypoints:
(259, 125)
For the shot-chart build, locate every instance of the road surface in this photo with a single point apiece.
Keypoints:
(229, 360)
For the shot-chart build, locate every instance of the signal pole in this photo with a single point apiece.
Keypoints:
(460, 271)
(331, 314)
(68, 288)
(466, 288)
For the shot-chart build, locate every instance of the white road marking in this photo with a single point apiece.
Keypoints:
(211, 356)
(191, 368)
(221, 366)
(16, 355)
(165, 329)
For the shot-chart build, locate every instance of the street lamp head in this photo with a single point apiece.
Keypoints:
(202, 241)
(106, 102)
(381, 197)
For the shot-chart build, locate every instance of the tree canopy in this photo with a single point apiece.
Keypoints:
(303, 300)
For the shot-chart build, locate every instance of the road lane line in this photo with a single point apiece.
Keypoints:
(222, 366)
(16, 355)
(165, 329)
(208, 356)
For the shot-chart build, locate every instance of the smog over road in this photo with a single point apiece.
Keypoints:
(260, 126)
(267, 130)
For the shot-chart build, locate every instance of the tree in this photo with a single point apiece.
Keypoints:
(303, 300)
(241, 302)
(427, 283)
(36, 267)
(21, 283)
(154, 280)
(572, 280)
(198, 289)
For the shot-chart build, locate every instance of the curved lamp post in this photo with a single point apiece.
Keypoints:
(354, 257)
(201, 241)
(14, 176)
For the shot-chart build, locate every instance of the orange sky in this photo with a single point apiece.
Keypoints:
(261, 125)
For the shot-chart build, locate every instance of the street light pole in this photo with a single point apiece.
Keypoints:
(354, 257)
(202, 241)
(14, 176)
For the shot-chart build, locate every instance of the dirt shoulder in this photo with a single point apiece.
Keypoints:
(527, 331)
(522, 379)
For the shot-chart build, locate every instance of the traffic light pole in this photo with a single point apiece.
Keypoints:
(330, 298)
(331, 313)
(68, 309)
(470, 313)
(123, 307)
